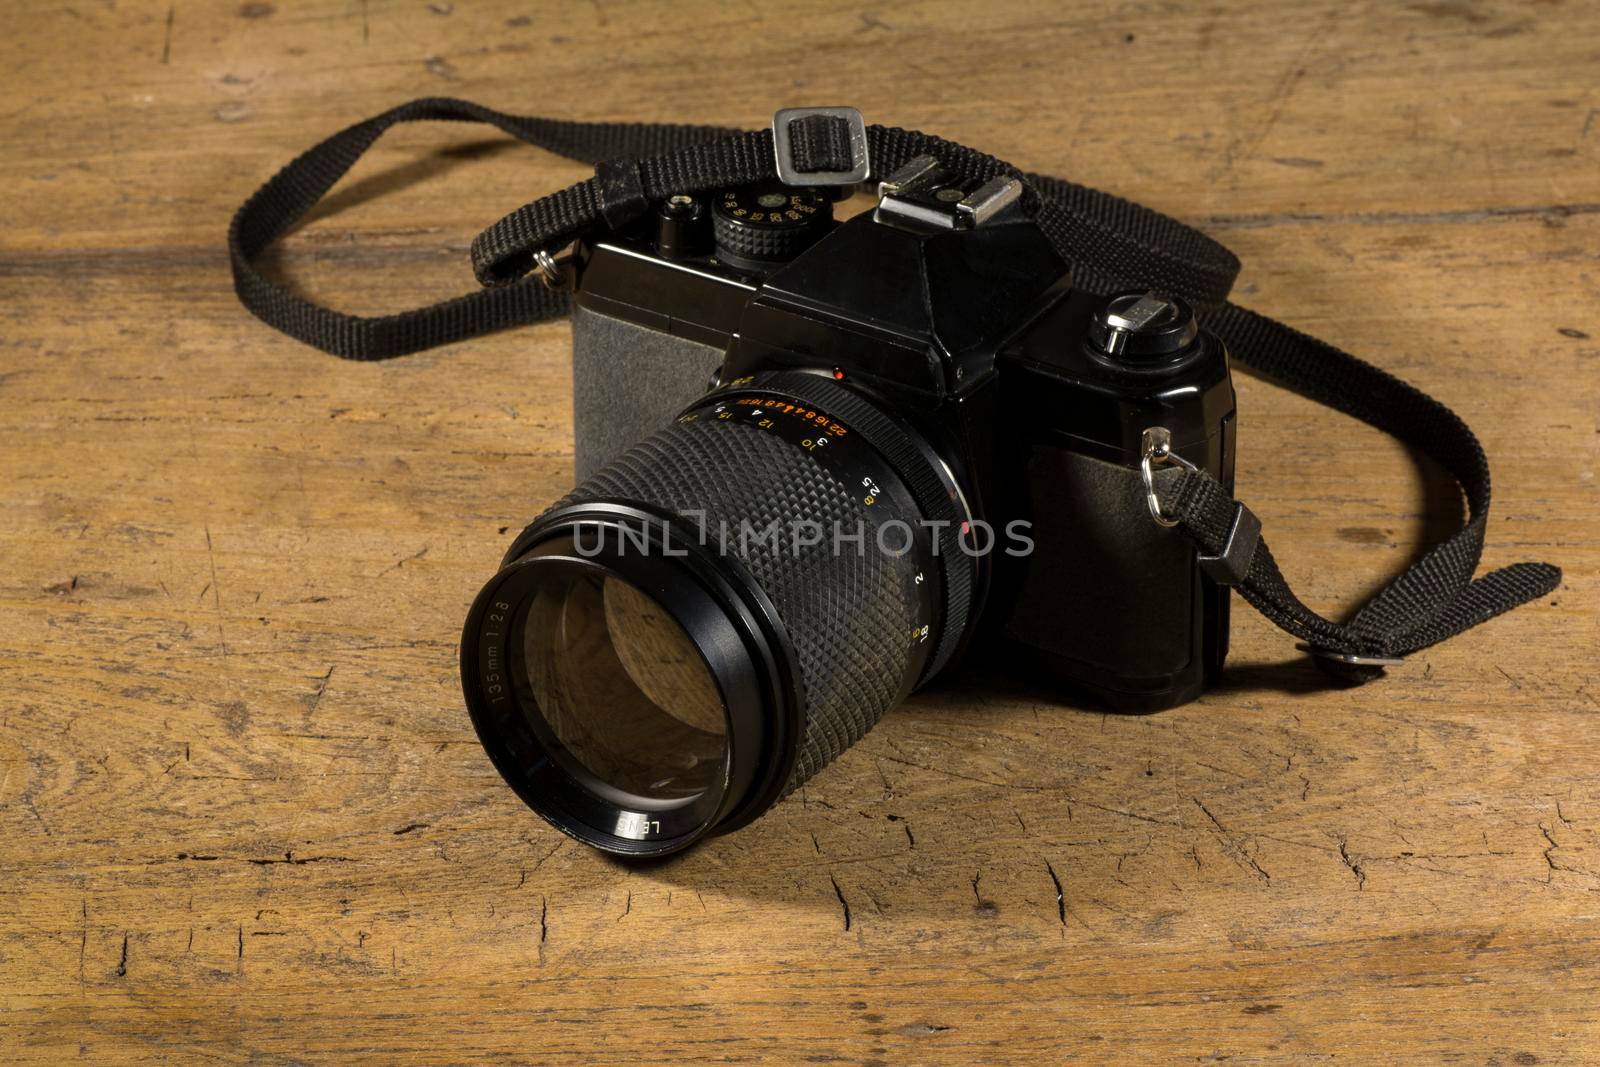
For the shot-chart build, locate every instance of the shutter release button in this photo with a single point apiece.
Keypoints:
(1143, 327)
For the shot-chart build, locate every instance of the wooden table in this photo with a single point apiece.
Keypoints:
(243, 815)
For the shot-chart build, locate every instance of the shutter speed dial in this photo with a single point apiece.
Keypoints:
(757, 226)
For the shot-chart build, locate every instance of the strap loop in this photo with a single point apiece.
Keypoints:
(1231, 565)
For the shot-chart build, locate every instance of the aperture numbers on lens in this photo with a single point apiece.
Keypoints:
(803, 426)
(779, 406)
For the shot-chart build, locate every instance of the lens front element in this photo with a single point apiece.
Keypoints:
(617, 690)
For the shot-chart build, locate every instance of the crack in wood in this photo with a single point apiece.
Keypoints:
(843, 903)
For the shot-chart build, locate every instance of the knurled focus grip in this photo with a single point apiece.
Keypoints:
(935, 494)
(847, 614)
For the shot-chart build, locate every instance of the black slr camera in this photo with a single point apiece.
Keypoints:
(819, 463)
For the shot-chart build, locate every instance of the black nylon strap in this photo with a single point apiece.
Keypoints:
(1110, 243)
(622, 197)
(1108, 240)
(290, 193)
(820, 142)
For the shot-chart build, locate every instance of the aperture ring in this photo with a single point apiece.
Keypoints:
(938, 499)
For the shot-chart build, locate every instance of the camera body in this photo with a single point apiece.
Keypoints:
(949, 308)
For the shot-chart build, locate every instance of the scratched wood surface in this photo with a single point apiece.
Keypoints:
(242, 813)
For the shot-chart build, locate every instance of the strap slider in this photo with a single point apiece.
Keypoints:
(1350, 659)
(820, 146)
(1230, 566)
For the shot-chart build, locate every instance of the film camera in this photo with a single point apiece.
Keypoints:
(817, 462)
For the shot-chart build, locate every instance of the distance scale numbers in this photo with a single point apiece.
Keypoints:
(818, 433)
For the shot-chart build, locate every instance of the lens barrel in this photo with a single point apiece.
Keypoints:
(717, 614)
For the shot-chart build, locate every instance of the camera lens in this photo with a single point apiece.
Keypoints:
(717, 614)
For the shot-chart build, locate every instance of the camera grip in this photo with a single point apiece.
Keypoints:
(1110, 602)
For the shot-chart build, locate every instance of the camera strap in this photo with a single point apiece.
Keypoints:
(1111, 244)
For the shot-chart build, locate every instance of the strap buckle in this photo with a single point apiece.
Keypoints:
(1350, 659)
(842, 126)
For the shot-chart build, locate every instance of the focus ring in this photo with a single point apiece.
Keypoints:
(915, 468)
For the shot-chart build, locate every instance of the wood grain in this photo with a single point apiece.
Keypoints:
(243, 816)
